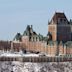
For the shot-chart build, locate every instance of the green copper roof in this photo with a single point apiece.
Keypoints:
(51, 43)
(40, 37)
(26, 33)
(17, 37)
(68, 43)
(29, 31)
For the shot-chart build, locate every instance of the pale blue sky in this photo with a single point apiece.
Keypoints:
(15, 15)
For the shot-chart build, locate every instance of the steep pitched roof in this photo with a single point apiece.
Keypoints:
(58, 15)
(29, 31)
(17, 37)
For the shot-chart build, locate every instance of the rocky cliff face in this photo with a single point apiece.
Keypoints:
(16, 66)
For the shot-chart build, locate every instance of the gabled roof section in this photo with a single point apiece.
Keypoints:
(57, 16)
(29, 31)
(18, 37)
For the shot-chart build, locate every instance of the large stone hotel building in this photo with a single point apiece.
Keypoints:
(57, 42)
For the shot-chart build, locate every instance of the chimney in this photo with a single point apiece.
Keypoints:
(31, 29)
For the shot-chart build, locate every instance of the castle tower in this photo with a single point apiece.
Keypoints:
(59, 27)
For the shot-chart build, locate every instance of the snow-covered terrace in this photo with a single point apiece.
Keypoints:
(18, 55)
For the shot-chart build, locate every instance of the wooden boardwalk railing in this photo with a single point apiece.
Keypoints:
(36, 59)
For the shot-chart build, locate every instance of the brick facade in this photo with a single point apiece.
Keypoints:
(58, 27)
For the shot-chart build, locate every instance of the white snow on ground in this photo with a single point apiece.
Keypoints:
(32, 55)
(16, 66)
(10, 55)
(18, 55)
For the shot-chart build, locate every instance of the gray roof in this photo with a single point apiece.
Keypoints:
(29, 31)
(18, 37)
(40, 37)
(68, 43)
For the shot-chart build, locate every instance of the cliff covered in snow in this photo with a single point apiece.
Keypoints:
(15, 66)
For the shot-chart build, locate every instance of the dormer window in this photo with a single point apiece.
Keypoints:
(61, 20)
(64, 20)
